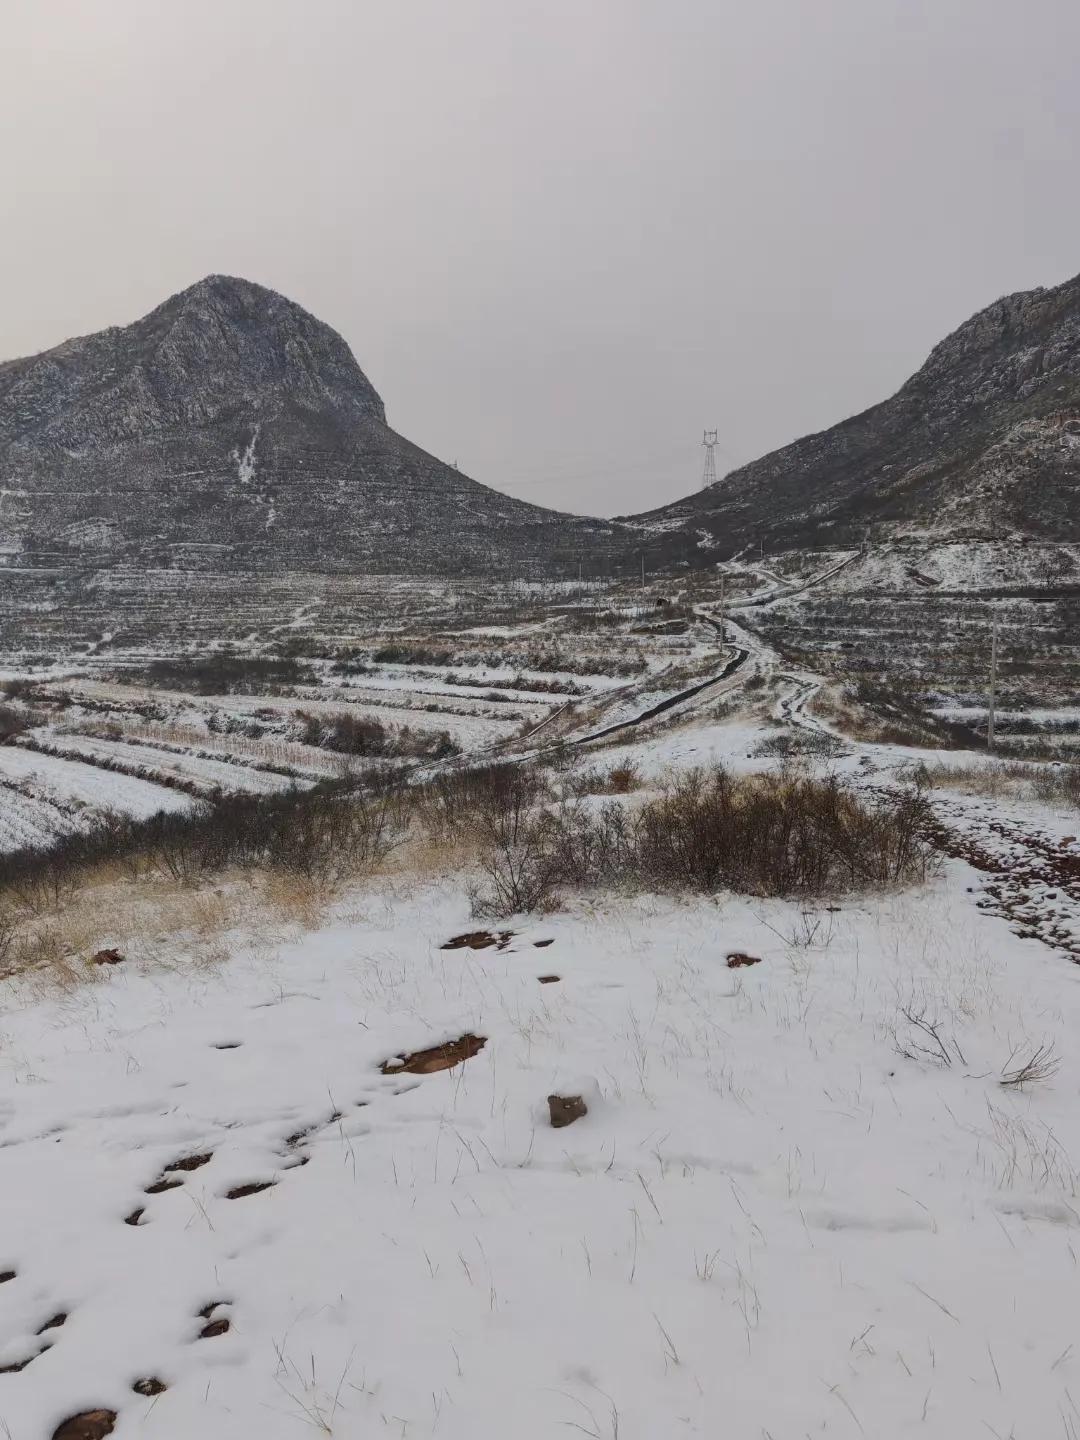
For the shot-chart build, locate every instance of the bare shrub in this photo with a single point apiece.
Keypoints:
(769, 835)
(777, 835)
(13, 722)
(347, 733)
(789, 744)
(522, 874)
(222, 672)
(323, 833)
(619, 780)
(315, 834)
(1061, 784)
(923, 1039)
(1041, 1064)
(489, 800)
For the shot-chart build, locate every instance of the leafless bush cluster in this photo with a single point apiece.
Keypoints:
(350, 734)
(776, 835)
(487, 802)
(323, 834)
(319, 834)
(618, 780)
(399, 652)
(223, 672)
(1060, 784)
(13, 722)
(820, 744)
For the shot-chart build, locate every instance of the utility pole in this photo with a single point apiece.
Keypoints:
(723, 578)
(708, 476)
(993, 682)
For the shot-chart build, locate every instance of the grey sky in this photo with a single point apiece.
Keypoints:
(561, 236)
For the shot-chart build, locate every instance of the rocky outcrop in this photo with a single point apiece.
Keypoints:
(230, 430)
(984, 438)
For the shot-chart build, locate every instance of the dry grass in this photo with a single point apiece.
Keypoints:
(880, 715)
(1007, 779)
(160, 921)
(158, 907)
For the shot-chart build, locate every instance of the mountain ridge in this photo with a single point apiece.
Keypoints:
(995, 406)
(231, 409)
(229, 428)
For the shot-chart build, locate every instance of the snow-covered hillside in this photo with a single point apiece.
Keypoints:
(802, 1200)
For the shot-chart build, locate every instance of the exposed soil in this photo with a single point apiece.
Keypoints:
(549, 979)
(543, 944)
(439, 1057)
(107, 957)
(55, 1323)
(135, 1217)
(160, 1186)
(253, 1187)
(737, 959)
(228, 1045)
(1033, 881)
(150, 1386)
(565, 1109)
(18, 1365)
(479, 940)
(6, 1275)
(192, 1162)
(89, 1425)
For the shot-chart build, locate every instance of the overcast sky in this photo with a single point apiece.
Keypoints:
(561, 236)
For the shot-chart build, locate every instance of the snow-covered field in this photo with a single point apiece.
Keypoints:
(802, 1202)
(770, 1222)
(198, 770)
(43, 796)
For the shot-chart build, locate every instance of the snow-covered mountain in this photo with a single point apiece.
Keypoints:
(231, 430)
(983, 441)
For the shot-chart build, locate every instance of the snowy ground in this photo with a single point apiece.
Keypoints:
(802, 1202)
(770, 1222)
(194, 769)
(42, 796)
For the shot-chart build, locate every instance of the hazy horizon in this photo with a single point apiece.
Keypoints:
(561, 240)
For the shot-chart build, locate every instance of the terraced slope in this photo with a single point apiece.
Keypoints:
(230, 431)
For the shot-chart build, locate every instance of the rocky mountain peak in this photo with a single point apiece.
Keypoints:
(223, 349)
(229, 433)
(1016, 341)
(980, 437)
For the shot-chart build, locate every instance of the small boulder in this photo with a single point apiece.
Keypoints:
(90, 1425)
(565, 1109)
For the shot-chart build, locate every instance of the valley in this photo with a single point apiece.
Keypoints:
(467, 967)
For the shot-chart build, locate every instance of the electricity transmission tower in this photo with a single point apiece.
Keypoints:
(708, 476)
